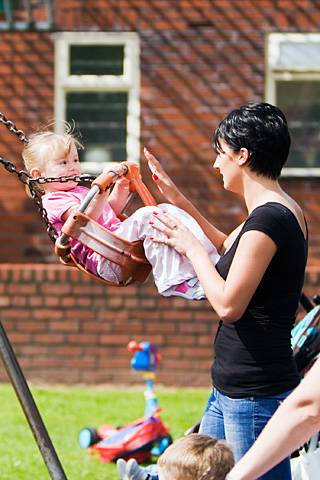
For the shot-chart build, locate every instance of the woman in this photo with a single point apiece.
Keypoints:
(256, 285)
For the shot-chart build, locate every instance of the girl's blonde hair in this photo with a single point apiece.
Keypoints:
(196, 457)
(46, 145)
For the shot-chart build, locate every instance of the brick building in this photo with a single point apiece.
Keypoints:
(160, 73)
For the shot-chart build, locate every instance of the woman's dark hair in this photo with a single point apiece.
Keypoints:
(262, 129)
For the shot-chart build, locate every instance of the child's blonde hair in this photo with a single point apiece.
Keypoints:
(45, 145)
(196, 457)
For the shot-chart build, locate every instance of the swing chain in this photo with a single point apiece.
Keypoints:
(13, 129)
(31, 183)
(24, 175)
(11, 168)
(76, 178)
(36, 193)
(25, 178)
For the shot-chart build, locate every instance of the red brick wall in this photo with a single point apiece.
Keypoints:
(198, 60)
(67, 328)
(64, 327)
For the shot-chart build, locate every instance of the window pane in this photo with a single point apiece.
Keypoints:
(299, 55)
(101, 119)
(300, 101)
(96, 59)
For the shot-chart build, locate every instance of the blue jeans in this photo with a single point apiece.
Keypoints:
(239, 421)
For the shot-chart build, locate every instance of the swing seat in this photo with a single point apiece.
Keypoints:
(128, 255)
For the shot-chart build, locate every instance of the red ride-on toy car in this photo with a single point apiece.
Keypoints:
(148, 436)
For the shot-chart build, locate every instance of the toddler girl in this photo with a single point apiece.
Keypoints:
(55, 155)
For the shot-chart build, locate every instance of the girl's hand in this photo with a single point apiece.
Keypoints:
(161, 178)
(122, 183)
(175, 234)
(115, 167)
(119, 196)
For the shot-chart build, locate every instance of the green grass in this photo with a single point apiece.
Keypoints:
(66, 410)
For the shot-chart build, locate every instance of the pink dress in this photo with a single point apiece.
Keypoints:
(170, 269)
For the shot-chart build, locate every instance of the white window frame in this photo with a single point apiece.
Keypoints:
(275, 72)
(128, 82)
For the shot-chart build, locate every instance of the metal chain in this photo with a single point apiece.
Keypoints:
(11, 168)
(75, 178)
(13, 129)
(35, 193)
(33, 183)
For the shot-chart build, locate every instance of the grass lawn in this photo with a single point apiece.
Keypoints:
(66, 410)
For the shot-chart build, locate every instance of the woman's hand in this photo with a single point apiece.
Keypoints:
(175, 234)
(161, 178)
(173, 194)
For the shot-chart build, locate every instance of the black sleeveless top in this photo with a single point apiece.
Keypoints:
(253, 356)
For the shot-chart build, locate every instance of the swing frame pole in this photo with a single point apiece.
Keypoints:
(29, 408)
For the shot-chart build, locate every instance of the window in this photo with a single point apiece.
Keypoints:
(97, 88)
(293, 84)
(26, 15)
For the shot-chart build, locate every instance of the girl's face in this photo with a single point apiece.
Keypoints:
(68, 166)
(229, 165)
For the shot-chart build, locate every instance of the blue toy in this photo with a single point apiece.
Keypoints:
(146, 359)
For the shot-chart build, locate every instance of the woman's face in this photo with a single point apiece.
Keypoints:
(228, 166)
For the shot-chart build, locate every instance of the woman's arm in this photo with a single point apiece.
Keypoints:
(229, 297)
(171, 192)
(295, 421)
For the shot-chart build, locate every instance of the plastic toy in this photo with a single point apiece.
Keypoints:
(148, 436)
(146, 359)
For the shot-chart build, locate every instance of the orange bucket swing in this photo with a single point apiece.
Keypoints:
(79, 226)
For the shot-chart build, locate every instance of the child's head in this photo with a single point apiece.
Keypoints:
(51, 154)
(196, 457)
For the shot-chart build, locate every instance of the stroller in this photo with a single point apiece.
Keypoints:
(305, 341)
(305, 336)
